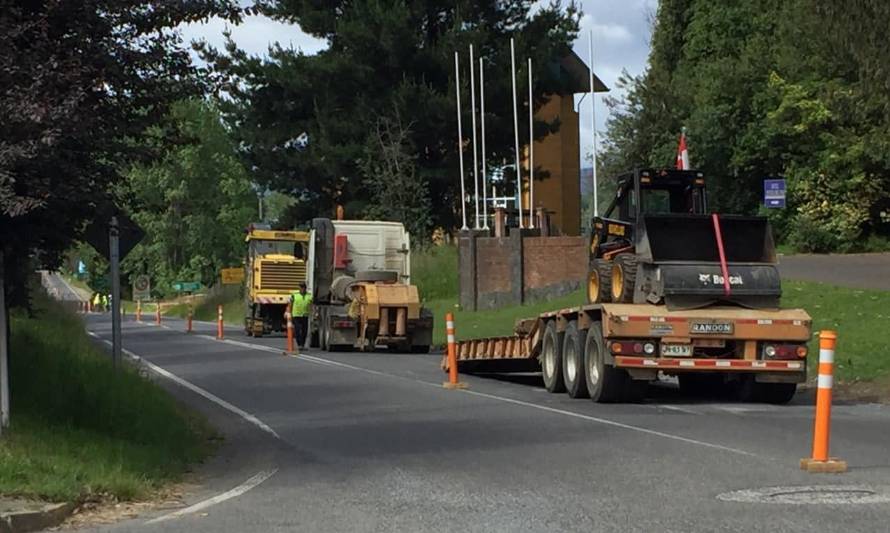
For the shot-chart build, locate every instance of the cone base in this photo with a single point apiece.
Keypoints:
(454, 386)
(832, 466)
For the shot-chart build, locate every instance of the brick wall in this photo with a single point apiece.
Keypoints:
(498, 272)
(553, 260)
(493, 265)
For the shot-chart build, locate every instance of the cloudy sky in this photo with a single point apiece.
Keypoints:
(620, 37)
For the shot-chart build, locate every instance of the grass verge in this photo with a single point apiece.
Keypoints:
(861, 319)
(79, 430)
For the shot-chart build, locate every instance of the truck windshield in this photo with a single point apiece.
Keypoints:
(278, 247)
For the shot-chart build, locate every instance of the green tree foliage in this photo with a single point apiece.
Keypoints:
(767, 88)
(384, 58)
(193, 202)
(81, 83)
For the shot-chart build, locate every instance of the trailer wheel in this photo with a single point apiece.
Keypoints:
(324, 334)
(605, 383)
(551, 359)
(599, 281)
(624, 278)
(778, 393)
(573, 361)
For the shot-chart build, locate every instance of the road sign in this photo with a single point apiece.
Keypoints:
(232, 276)
(774, 192)
(142, 288)
(186, 286)
(129, 233)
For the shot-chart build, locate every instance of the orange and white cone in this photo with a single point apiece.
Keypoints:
(820, 461)
(453, 381)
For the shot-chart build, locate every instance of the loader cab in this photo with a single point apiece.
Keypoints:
(655, 192)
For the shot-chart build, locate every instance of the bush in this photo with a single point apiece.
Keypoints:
(434, 271)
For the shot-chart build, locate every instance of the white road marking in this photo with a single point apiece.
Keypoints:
(219, 498)
(675, 408)
(612, 423)
(554, 410)
(197, 390)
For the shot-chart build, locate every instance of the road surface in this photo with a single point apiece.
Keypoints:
(372, 442)
(860, 271)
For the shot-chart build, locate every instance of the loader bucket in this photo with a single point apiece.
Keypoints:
(692, 238)
(683, 262)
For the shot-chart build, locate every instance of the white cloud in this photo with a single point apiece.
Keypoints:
(254, 35)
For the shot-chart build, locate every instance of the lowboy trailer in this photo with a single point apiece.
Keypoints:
(610, 352)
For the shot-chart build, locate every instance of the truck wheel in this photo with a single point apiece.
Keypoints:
(624, 278)
(573, 361)
(599, 281)
(551, 359)
(604, 382)
(324, 334)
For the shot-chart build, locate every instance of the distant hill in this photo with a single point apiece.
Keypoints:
(586, 181)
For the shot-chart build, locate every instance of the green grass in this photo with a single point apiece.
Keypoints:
(434, 271)
(493, 323)
(861, 319)
(205, 307)
(79, 429)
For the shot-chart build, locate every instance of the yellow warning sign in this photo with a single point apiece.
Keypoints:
(232, 276)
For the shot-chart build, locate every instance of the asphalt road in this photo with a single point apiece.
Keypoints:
(860, 271)
(372, 442)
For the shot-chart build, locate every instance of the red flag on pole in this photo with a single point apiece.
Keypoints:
(682, 153)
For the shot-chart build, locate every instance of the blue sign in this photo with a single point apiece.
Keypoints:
(774, 193)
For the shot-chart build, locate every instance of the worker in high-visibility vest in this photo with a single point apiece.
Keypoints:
(105, 303)
(299, 308)
(97, 301)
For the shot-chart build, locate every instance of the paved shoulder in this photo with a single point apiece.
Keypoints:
(861, 271)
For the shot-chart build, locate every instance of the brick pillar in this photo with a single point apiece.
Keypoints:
(517, 283)
(467, 272)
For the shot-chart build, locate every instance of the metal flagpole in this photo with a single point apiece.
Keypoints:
(473, 121)
(516, 132)
(460, 145)
(596, 209)
(531, 150)
(484, 169)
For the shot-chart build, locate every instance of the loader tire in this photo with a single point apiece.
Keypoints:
(573, 361)
(551, 359)
(599, 281)
(624, 278)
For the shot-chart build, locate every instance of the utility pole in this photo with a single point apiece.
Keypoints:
(114, 257)
(4, 353)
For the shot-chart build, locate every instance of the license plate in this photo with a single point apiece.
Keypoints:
(711, 328)
(676, 350)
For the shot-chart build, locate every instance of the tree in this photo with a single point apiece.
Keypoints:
(766, 88)
(194, 201)
(383, 56)
(81, 83)
(390, 167)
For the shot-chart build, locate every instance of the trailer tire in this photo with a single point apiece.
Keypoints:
(778, 393)
(324, 334)
(605, 383)
(551, 359)
(573, 361)
(599, 281)
(624, 278)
